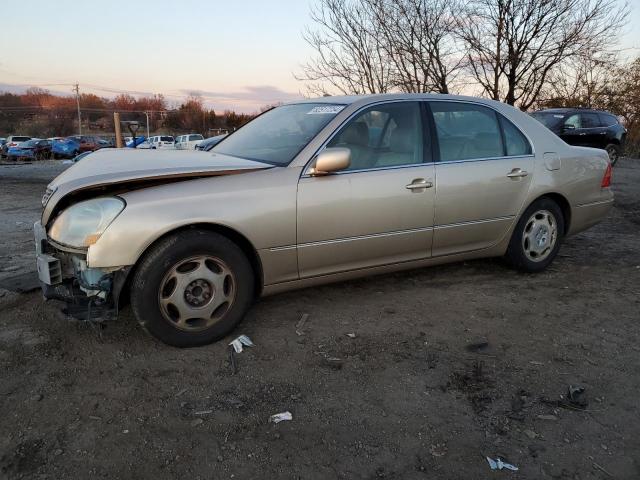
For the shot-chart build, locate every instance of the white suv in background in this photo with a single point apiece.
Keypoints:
(188, 142)
(160, 142)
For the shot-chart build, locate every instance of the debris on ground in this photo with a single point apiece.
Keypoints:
(548, 417)
(499, 464)
(477, 346)
(301, 323)
(196, 422)
(280, 417)
(240, 341)
(351, 335)
(576, 399)
(332, 362)
(438, 450)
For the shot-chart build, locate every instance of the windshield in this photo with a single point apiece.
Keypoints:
(278, 135)
(549, 120)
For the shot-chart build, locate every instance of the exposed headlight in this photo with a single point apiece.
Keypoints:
(82, 224)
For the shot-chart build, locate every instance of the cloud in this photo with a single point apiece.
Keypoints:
(250, 98)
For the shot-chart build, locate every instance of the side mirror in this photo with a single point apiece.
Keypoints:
(331, 160)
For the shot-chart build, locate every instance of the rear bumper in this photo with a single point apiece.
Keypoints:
(587, 215)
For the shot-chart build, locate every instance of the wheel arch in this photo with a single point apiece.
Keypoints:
(564, 205)
(238, 238)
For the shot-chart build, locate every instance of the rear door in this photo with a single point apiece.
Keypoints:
(482, 177)
(593, 132)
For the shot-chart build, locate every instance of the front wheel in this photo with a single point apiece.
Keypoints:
(536, 239)
(192, 288)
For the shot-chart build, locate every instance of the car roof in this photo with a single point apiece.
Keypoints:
(575, 109)
(349, 99)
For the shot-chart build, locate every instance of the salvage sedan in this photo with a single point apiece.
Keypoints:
(308, 193)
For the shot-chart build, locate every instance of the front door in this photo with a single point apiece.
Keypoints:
(378, 211)
(481, 179)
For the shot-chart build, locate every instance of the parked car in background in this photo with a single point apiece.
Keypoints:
(72, 146)
(130, 143)
(34, 149)
(12, 141)
(311, 192)
(208, 143)
(586, 128)
(188, 142)
(159, 142)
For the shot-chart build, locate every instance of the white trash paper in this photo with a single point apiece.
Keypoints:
(499, 465)
(280, 417)
(240, 341)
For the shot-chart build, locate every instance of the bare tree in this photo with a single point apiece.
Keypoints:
(514, 45)
(583, 81)
(375, 46)
(349, 57)
(418, 39)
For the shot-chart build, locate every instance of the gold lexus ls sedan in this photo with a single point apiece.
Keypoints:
(311, 192)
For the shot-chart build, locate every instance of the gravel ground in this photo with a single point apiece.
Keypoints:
(381, 382)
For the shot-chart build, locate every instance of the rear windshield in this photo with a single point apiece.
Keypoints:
(548, 119)
(278, 135)
(20, 139)
(195, 137)
(166, 139)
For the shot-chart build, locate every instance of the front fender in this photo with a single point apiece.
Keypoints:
(259, 205)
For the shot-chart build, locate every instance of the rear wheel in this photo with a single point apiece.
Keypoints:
(536, 239)
(192, 288)
(614, 153)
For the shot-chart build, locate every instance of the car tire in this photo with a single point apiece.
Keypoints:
(537, 236)
(179, 283)
(614, 153)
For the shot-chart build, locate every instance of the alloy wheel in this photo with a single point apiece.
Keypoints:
(539, 236)
(197, 292)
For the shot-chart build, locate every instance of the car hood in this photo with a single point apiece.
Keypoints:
(118, 169)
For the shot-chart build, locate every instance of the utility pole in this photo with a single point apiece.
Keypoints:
(148, 134)
(76, 89)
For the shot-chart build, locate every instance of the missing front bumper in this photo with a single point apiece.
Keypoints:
(90, 293)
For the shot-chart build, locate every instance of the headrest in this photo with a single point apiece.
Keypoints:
(356, 134)
(402, 140)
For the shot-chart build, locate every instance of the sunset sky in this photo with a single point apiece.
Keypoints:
(238, 55)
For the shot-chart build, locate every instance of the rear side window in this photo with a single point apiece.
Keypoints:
(514, 141)
(607, 120)
(590, 120)
(466, 131)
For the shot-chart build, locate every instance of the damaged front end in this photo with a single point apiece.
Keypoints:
(90, 293)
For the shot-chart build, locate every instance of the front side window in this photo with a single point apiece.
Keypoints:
(385, 135)
(466, 131)
(279, 134)
(573, 121)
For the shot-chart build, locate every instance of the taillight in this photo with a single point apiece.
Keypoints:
(606, 180)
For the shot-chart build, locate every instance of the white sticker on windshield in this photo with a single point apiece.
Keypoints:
(326, 110)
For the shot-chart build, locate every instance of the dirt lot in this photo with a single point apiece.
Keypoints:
(406, 399)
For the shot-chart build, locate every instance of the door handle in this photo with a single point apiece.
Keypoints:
(517, 173)
(419, 183)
